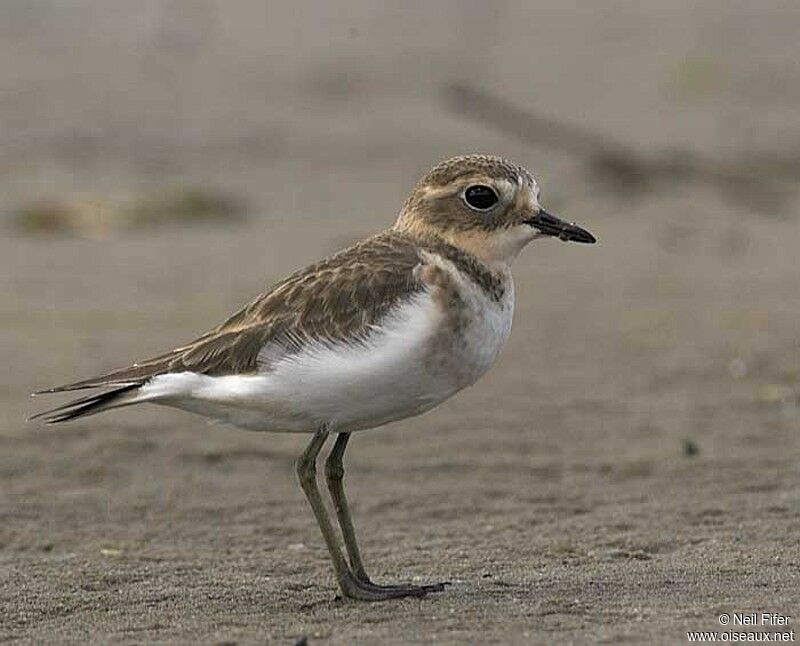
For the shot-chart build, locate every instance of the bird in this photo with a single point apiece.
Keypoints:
(381, 331)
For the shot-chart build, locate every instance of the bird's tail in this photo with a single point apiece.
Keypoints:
(121, 395)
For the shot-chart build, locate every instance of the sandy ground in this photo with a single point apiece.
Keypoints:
(627, 472)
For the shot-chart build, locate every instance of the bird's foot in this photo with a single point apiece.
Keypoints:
(366, 590)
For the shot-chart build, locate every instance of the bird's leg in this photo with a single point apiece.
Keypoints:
(349, 584)
(334, 475)
(307, 474)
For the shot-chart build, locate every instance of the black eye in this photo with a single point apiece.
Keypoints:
(480, 197)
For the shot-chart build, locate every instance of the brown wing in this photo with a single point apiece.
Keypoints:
(335, 299)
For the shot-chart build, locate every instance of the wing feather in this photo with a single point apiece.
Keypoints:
(336, 299)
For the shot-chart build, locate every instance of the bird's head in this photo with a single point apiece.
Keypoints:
(485, 205)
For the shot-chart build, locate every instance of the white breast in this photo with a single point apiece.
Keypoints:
(409, 364)
(491, 327)
(484, 325)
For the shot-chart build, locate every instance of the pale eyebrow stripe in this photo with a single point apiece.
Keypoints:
(521, 182)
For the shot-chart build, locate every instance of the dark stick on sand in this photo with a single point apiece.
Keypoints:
(763, 183)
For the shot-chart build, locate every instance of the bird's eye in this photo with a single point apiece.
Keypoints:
(480, 197)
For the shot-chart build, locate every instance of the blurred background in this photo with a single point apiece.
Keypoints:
(163, 161)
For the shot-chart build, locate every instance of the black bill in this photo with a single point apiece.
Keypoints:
(550, 225)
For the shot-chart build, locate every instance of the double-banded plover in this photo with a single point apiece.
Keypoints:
(381, 331)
